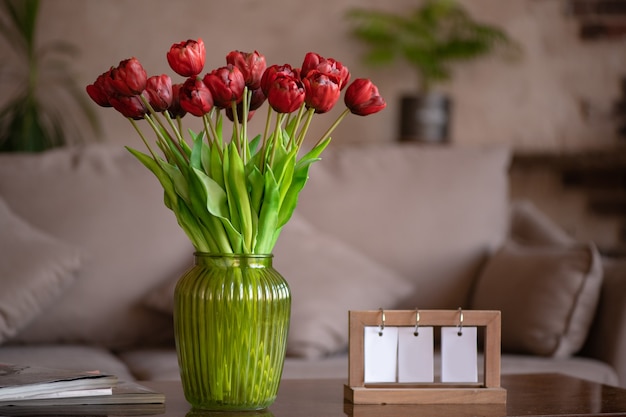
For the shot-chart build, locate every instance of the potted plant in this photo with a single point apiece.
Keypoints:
(430, 38)
(45, 106)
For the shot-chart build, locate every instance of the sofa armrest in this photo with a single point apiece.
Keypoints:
(607, 338)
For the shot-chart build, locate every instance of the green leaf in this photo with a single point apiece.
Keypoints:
(216, 170)
(181, 187)
(300, 177)
(215, 200)
(238, 198)
(175, 203)
(195, 157)
(268, 217)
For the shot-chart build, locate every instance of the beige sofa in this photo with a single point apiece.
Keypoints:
(89, 256)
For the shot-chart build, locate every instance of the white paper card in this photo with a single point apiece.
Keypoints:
(459, 355)
(415, 355)
(380, 354)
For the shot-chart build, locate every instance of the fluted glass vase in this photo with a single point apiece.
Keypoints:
(231, 319)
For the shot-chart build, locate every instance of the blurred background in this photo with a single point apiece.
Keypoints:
(557, 104)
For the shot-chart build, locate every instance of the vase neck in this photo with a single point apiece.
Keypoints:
(230, 260)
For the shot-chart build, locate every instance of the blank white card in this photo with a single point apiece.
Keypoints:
(459, 355)
(416, 355)
(380, 354)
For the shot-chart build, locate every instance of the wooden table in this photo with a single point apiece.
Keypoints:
(527, 395)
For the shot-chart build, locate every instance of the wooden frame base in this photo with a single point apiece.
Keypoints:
(479, 395)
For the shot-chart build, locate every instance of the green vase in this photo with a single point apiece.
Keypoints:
(231, 319)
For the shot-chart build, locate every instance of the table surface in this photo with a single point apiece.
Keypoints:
(527, 395)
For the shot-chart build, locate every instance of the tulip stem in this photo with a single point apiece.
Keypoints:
(277, 136)
(263, 151)
(333, 126)
(247, 97)
(236, 137)
(176, 130)
(145, 141)
(209, 127)
(305, 128)
(154, 115)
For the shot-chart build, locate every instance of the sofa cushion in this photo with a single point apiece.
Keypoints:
(74, 357)
(432, 214)
(102, 200)
(35, 269)
(327, 278)
(531, 226)
(547, 295)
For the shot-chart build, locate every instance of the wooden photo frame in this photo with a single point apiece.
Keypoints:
(489, 391)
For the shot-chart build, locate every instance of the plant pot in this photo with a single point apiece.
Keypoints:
(425, 118)
(231, 318)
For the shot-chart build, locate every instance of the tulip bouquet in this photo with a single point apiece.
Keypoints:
(235, 195)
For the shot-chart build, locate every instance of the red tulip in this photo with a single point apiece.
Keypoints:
(229, 114)
(313, 61)
(226, 85)
(252, 65)
(272, 72)
(98, 91)
(322, 91)
(286, 94)
(362, 98)
(159, 92)
(127, 79)
(131, 107)
(187, 58)
(257, 100)
(195, 97)
(174, 109)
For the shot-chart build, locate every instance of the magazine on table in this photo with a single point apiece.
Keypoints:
(20, 382)
(123, 393)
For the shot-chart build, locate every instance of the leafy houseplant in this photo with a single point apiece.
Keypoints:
(231, 194)
(34, 117)
(432, 38)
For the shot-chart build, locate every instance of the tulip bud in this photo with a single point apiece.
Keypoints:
(187, 58)
(131, 107)
(257, 100)
(226, 85)
(229, 114)
(159, 92)
(98, 91)
(285, 94)
(322, 91)
(127, 79)
(252, 65)
(362, 98)
(195, 97)
(272, 72)
(313, 61)
(174, 109)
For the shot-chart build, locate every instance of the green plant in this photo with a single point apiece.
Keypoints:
(43, 105)
(431, 38)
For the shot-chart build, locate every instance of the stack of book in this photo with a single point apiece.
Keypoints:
(32, 390)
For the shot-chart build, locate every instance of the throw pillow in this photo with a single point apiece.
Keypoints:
(101, 199)
(547, 295)
(327, 278)
(35, 269)
(432, 214)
